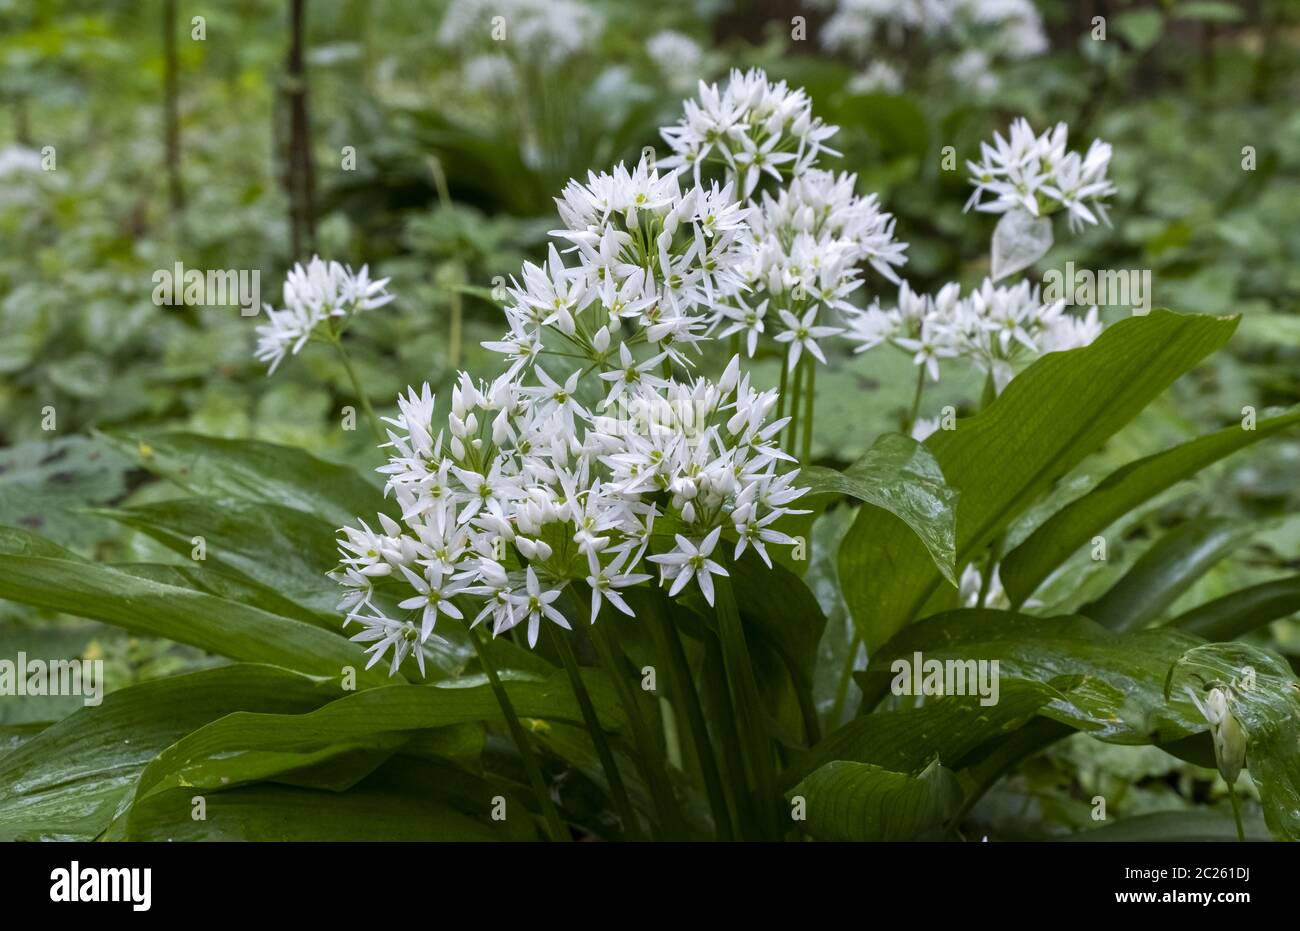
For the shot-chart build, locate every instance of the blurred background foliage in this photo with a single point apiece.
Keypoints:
(457, 146)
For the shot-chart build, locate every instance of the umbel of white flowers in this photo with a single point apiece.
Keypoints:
(1001, 326)
(323, 293)
(561, 469)
(526, 489)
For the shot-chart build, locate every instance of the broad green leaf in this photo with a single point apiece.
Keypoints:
(281, 548)
(1052, 415)
(207, 578)
(1111, 685)
(1073, 526)
(1229, 617)
(1176, 827)
(404, 801)
(284, 475)
(243, 748)
(226, 628)
(905, 740)
(861, 802)
(44, 485)
(17, 542)
(900, 476)
(1265, 700)
(67, 781)
(1166, 570)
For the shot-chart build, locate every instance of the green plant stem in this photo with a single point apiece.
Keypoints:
(618, 791)
(1236, 812)
(555, 827)
(792, 430)
(681, 683)
(718, 697)
(454, 334)
(986, 580)
(654, 765)
(360, 392)
(747, 702)
(780, 391)
(915, 412)
(842, 687)
(810, 395)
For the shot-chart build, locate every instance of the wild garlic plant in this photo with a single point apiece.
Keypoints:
(320, 303)
(1026, 178)
(597, 468)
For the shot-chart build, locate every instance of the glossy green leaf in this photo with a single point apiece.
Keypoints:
(1176, 827)
(281, 548)
(404, 801)
(1165, 571)
(226, 628)
(900, 476)
(67, 781)
(1240, 612)
(1049, 418)
(1073, 526)
(1111, 685)
(861, 802)
(904, 740)
(243, 748)
(283, 475)
(1264, 697)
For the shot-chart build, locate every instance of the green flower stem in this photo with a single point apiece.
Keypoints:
(747, 702)
(555, 827)
(623, 804)
(454, 336)
(682, 685)
(358, 390)
(792, 430)
(916, 401)
(780, 392)
(810, 393)
(715, 692)
(846, 679)
(1236, 812)
(654, 765)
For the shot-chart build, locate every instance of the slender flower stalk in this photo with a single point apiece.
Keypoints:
(554, 825)
(617, 790)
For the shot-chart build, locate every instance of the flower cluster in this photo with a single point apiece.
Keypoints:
(649, 259)
(804, 255)
(751, 127)
(1010, 29)
(527, 489)
(1037, 174)
(322, 293)
(543, 32)
(995, 326)
(808, 237)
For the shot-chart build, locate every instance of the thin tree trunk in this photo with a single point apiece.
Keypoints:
(172, 122)
(300, 172)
